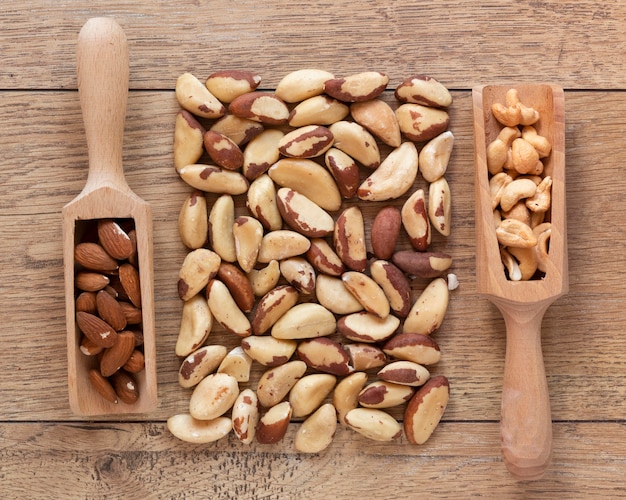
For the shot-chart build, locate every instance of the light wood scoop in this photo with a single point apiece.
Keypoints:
(103, 77)
(526, 425)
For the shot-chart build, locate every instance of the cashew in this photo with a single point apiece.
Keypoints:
(511, 265)
(540, 201)
(506, 115)
(524, 157)
(519, 211)
(496, 185)
(516, 191)
(514, 233)
(540, 143)
(543, 233)
(526, 259)
(497, 150)
(527, 115)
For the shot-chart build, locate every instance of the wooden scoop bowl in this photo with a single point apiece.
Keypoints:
(526, 426)
(103, 75)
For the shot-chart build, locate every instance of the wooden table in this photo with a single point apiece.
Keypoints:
(47, 452)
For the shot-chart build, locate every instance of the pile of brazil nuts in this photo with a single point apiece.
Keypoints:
(520, 192)
(338, 311)
(108, 306)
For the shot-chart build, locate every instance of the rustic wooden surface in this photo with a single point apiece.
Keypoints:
(47, 452)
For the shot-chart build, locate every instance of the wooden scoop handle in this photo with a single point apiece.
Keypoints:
(526, 425)
(103, 69)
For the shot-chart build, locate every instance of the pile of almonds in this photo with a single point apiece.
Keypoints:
(326, 311)
(520, 190)
(108, 306)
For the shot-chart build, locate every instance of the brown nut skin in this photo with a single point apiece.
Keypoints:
(425, 90)
(385, 232)
(420, 123)
(102, 386)
(97, 330)
(325, 355)
(223, 150)
(125, 387)
(238, 284)
(425, 409)
(263, 107)
(422, 264)
(95, 258)
(110, 310)
(274, 424)
(115, 357)
(395, 285)
(344, 170)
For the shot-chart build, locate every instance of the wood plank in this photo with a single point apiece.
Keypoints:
(460, 42)
(144, 461)
(582, 331)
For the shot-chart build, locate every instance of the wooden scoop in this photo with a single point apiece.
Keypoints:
(526, 426)
(103, 72)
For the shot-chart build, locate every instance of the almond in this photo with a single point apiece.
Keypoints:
(116, 356)
(114, 239)
(86, 301)
(131, 313)
(110, 310)
(96, 329)
(102, 386)
(136, 362)
(125, 387)
(88, 281)
(94, 257)
(129, 278)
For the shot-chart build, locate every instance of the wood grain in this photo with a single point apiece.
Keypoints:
(577, 44)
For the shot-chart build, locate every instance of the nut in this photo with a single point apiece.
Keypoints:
(383, 394)
(379, 119)
(317, 431)
(415, 221)
(393, 177)
(323, 258)
(102, 386)
(223, 150)
(274, 424)
(325, 355)
(541, 200)
(514, 233)
(213, 396)
(299, 273)
(365, 356)
(240, 130)
(405, 373)
(282, 244)
(125, 387)
(415, 347)
(349, 239)
(358, 87)
(269, 351)
(188, 139)
(346, 393)
(309, 179)
(344, 170)
(367, 292)
(515, 191)
(440, 205)
(95, 258)
(262, 203)
(264, 107)
(394, 284)
(354, 140)
(318, 110)
(272, 306)
(245, 416)
(195, 325)
(264, 279)
(237, 364)
(303, 215)
(540, 143)
(229, 84)
(302, 84)
(238, 285)
(334, 296)
(367, 327)
(306, 142)
(193, 96)
(135, 363)
(429, 309)
(276, 382)
(191, 430)
(425, 90)
(309, 392)
(524, 157)
(248, 234)
(424, 411)
(115, 240)
(225, 310)
(199, 266)
(385, 231)
(373, 424)
(221, 222)
(199, 364)
(421, 123)
(110, 310)
(118, 354)
(97, 330)
(129, 279)
(213, 179)
(193, 221)
(261, 153)
(86, 301)
(435, 156)
(422, 264)
(304, 321)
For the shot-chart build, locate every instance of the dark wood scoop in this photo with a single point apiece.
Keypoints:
(526, 426)
(103, 77)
